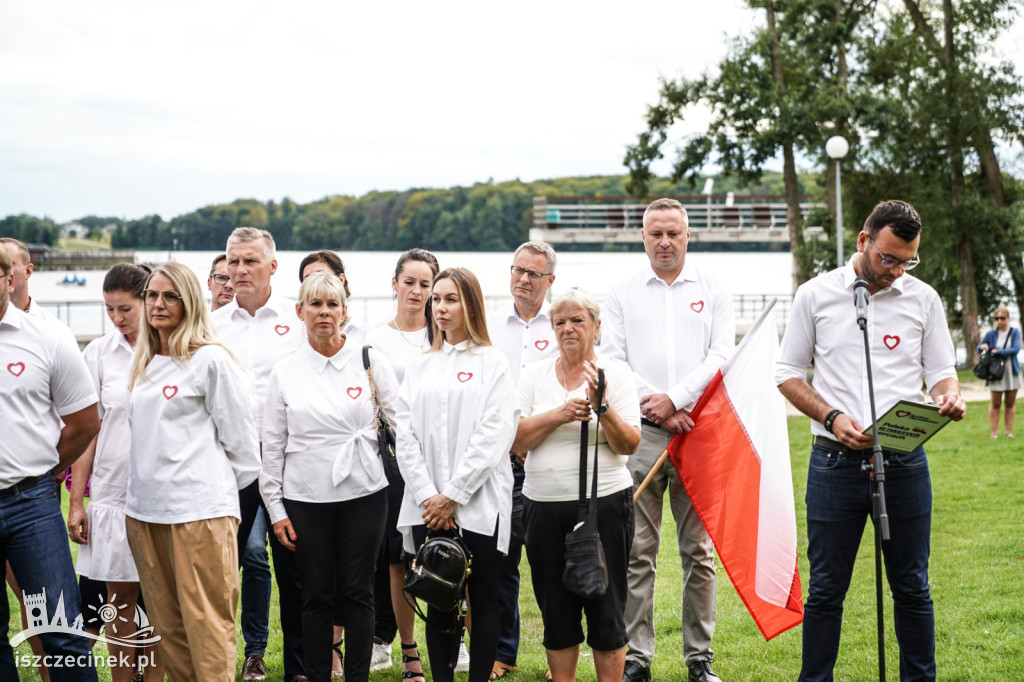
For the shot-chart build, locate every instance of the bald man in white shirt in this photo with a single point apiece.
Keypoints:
(672, 323)
(48, 403)
(21, 273)
(909, 343)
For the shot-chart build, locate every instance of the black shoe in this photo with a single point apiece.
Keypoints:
(701, 672)
(635, 672)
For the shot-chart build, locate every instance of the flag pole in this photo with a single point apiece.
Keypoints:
(650, 474)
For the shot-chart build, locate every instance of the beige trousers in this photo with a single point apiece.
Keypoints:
(189, 577)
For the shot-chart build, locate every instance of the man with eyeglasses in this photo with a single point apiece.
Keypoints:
(523, 332)
(672, 323)
(909, 343)
(219, 283)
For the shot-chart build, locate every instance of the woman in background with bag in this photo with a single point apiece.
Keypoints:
(323, 481)
(555, 398)
(401, 340)
(1003, 342)
(454, 459)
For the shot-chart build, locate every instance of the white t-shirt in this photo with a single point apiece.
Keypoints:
(194, 443)
(553, 467)
(399, 347)
(461, 419)
(319, 430)
(42, 378)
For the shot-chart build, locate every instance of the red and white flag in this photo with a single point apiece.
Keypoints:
(735, 465)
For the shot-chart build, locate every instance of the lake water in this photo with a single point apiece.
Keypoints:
(747, 276)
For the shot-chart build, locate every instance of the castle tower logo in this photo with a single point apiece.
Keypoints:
(108, 616)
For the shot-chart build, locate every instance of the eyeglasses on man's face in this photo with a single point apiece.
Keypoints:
(1001, 317)
(220, 279)
(888, 262)
(172, 299)
(534, 276)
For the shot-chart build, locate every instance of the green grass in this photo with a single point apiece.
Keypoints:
(83, 244)
(976, 566)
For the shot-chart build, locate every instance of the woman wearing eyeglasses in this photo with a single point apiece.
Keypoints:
(1004, 340)
(193, 447)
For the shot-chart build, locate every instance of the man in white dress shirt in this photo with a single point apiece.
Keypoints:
(909, 343)
(672, 324)
(48, 402)
(261, 329)
(219, 283)
(523, 332)
(23, 269)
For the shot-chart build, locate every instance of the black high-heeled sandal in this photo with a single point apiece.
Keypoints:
(338, 674)
(409, 674)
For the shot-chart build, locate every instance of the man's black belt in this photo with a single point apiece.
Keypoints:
(647, 422)
(826, 442)
(23, 485)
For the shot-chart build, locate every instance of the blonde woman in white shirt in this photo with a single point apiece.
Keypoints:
(454, 457)
(193, 447)
(401, 340)
(103, 553)
(556, 395)
(323, 482)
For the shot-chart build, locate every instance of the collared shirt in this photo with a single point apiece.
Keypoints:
(39, 311)
(522, 342)
(194, 443)
(319, 429)
(260, 341)
(109, 359)
(399, 347)
(673, 336)
(462, 419)
(553, 467)
(907, 336)
(42, 378)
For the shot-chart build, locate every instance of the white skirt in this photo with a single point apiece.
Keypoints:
(107, 556)
(1009, 382)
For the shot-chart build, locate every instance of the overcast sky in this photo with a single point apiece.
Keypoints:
(125, 108)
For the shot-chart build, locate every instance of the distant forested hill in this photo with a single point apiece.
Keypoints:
(484, 217)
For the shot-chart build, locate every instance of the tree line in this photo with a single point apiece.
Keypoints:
(487, 216)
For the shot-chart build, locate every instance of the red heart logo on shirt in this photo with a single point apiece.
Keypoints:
(697, 306)
(170, 391)
(354, 392)
(282, 329)
(902, 413)
(541, 345)
(891, 341)
(465, 376)
(16, 368)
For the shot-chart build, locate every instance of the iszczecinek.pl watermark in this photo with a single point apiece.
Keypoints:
(107, 616)
(122, 660)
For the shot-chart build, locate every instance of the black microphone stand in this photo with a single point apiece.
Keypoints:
(876, 465)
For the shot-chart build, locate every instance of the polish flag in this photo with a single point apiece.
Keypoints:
(735, 465)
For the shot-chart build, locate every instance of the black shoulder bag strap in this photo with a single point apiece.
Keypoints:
(583, 506)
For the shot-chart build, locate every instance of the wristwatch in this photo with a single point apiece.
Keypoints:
(602, 408)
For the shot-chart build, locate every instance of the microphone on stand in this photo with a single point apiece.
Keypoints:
(860, 299)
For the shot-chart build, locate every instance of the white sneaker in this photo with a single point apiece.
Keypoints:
(381, 656)
(463, 665)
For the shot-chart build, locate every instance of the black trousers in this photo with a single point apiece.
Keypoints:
(286, 571)
(336, 547)
(482, 587)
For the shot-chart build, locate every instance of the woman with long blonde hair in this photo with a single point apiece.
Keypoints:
(193, 447)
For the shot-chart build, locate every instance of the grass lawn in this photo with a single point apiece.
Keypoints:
(83, 244)
(976, 576)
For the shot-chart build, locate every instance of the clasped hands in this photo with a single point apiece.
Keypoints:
(658, 408)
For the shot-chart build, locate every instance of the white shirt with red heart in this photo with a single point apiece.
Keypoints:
(907, 334)
(522, 342)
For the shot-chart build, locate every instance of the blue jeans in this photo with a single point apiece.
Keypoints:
(838, 504)
(34, 539)
(256, 589)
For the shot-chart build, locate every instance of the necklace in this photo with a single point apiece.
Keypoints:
(405, 335)
(565, 384)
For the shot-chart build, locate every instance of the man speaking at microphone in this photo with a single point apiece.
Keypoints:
(909, 342)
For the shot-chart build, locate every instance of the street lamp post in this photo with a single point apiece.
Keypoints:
(836, 148)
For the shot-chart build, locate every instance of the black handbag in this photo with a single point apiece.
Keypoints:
(438, 575)
(586, 571)
(385, 434)
(991, 365)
